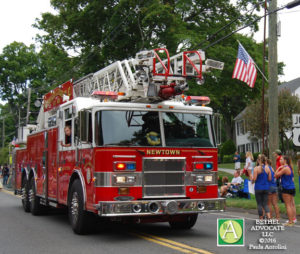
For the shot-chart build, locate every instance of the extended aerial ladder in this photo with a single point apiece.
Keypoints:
(147, 76)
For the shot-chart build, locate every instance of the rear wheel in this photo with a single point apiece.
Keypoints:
(184, 221)
(35, 206)
(25, 195)
(81, 220)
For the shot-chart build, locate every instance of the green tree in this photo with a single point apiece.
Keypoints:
(19, 70)
(288, 104)
(105, 31)
(56, 66)
(9, 118)
(22, 67)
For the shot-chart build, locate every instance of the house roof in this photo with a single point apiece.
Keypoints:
(240, 115)
(292, 85)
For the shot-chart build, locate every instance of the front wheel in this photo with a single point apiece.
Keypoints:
(184, 221)
(81, 220)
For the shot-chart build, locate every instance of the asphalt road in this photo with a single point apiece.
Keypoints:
(22, 233)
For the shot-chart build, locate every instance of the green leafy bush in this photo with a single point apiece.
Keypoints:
(228, 158)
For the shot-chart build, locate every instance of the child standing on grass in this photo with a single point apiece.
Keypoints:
(237, 162)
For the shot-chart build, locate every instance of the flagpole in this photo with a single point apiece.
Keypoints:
(256, 65)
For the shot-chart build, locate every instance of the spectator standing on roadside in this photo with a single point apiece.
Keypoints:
(237, 162)
(248, 169)
(278, 155)
(1, 186)
(261, 177)
(272, 198)
(285, 172)
(5, 174)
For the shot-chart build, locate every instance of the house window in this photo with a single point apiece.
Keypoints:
(240, 127)
(241, 149)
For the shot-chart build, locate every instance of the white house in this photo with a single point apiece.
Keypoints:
(243, 140)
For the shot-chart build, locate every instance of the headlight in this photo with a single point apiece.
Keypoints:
(124, 179)
(121, 179)
(208, 178)
(199, 178)
(131, 179)
(203, 179)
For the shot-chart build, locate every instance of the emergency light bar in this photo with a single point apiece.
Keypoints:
(203, 165)
(209, 63)
(107, 95)
(197, 100)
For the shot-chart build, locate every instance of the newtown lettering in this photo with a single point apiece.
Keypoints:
(163, 152)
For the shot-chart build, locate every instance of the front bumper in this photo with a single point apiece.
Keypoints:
(159, 207)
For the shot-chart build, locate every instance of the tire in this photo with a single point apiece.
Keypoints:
(81, 220)
(35, 207)
(25, 195)
(185, 222)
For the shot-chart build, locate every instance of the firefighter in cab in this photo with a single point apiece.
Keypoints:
(68, 139)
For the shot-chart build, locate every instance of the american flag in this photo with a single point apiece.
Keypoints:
(244, 68)
(13, 142)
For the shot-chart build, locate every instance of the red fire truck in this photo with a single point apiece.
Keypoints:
(124, 143)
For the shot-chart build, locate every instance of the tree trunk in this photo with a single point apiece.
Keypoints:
(282, 141)
(229, 129)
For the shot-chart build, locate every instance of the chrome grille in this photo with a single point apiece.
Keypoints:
(163, 177)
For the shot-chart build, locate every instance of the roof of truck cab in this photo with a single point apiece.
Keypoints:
(82, 103)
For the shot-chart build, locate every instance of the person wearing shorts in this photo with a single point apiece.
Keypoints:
(261, 177)
(237, 162)
(286, 174)
(272, 197)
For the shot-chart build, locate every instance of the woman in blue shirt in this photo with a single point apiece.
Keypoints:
(285, 172)
(272, 198)
(261, 177)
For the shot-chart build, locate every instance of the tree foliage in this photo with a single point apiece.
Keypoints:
(228, 148)
(288, 104)
(105, 31)
(22, 67)
(100, 32)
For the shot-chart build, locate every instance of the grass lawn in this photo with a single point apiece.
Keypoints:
(229, 165)
(251, 203)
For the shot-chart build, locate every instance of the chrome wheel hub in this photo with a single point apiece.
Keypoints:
(31, 195)
(23, 193)
(75, 207)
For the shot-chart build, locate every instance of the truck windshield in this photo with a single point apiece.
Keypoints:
(142, 128)
(127, 128)
(191, 130)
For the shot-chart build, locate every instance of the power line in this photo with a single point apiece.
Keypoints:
(224, 27)
(243, 27)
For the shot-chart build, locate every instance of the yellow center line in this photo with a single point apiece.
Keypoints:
(164, 244)
(10, 193)
(171, 244)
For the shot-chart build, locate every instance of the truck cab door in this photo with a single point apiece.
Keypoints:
(66, 152)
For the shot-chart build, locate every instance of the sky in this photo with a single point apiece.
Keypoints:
(17, 17)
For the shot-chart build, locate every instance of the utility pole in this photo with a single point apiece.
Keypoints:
(3, 131)
(28, 105)
(273, 81)
(263, 84)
